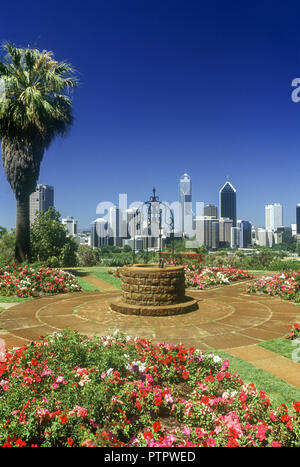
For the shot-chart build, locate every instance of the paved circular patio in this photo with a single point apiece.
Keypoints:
(226, 318)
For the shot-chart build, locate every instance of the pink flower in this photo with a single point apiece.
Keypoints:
(199, 432)
(210, 442)
(225, 365)
(261, 432)
(79, 411)
(275, 444)
(186, 430)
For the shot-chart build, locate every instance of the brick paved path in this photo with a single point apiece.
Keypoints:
(227, 318)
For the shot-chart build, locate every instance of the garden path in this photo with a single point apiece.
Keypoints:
(227, 319)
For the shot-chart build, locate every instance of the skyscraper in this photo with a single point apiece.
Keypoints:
(207, 231)
(225, 225)
(185, 200)
(227, 202)
(210, 210)
(40, 200)
(99, 233)
(235, 237)
(115, 222)
(245, 233)
(298, 218)
(71, 225)
(273, 216)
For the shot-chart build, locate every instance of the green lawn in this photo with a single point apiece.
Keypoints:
(108, 277)
(13, 299)
(86, 286)
(282, 346)
(97, 271)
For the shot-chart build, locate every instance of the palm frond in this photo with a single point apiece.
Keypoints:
(37, 88)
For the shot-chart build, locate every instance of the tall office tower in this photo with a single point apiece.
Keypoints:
(227, 202)
(254, 235)
(225, 225)
(71, 225)
(115, 220)
(40, 200)
(235, 237)
(265, 237)
(245, 233)
(207, 231)
(298, 219)
(283, 234)
(185, 199)
(99, 233)
(210, 210)
(273, 216)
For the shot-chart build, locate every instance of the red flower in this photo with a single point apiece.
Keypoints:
(185, 375)
(70, 441)
(156, 426)
(147, 435)
(20, 443)
(209, 379)
(232, 443)
(63, 418)
(296, 406)
(204, 400)
(284, 417)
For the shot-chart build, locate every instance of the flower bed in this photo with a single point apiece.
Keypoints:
(283, 284)
(209, 276)
(201, 278)
(32, 282)
(294, 332)
(71, 390)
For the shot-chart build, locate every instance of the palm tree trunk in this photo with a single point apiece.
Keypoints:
(22, 249)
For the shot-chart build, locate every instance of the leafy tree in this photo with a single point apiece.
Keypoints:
(109, 249)
(7, 246)
(2, 231)
(88, 256)
(35, 109)
(50, 242)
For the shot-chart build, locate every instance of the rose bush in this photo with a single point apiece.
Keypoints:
(283, 284)
(27, 281)
(71, 390)
(209, 276)
(294, 332)
(201, 278)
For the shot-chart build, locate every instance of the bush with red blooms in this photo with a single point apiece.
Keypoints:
(28, 281)
(71, 390)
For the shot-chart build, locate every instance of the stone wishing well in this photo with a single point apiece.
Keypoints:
(150, 290)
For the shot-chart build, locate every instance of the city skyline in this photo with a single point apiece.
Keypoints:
(168, 87)
(209, 209)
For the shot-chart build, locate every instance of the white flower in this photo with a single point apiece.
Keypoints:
(217, 359)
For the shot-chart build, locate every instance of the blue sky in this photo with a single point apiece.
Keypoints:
(168, 86)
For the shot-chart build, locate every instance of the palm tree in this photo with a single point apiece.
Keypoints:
(35, 108)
